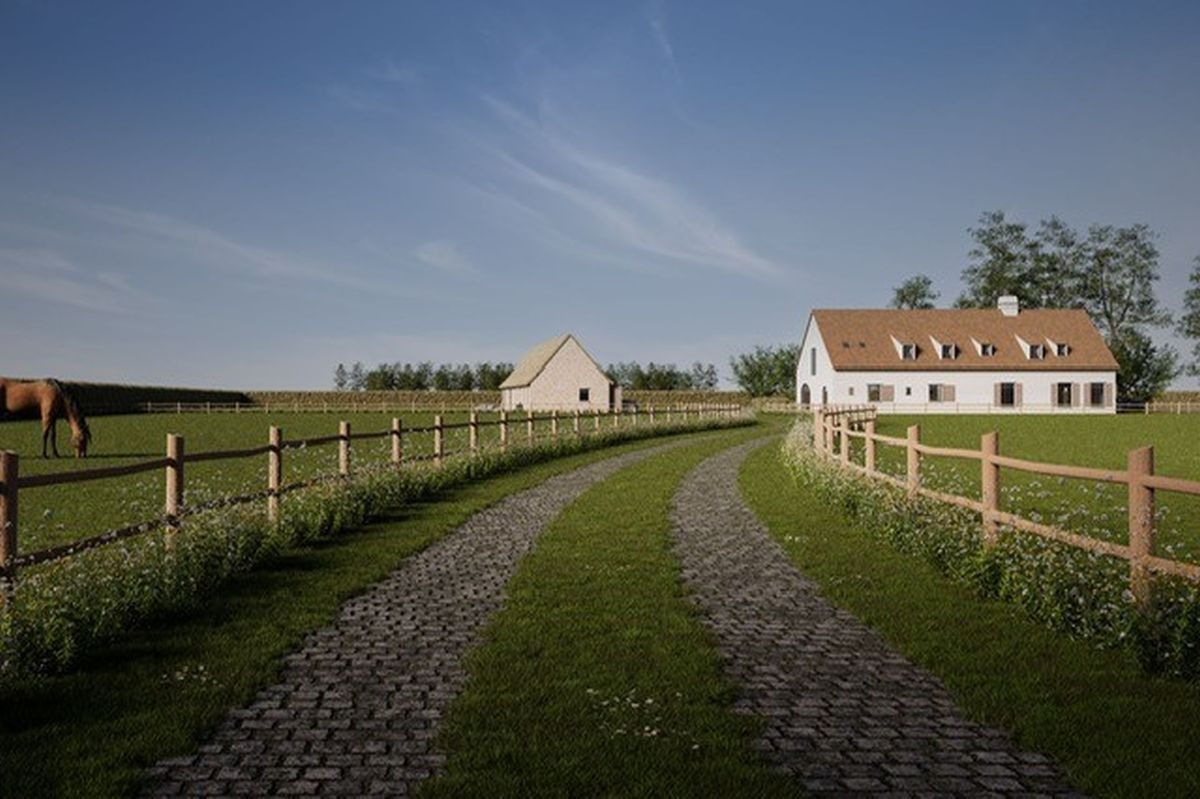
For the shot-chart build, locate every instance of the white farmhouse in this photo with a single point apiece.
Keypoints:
(985, 360)
(559, 374)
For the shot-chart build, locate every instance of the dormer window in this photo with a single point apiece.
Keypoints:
(987, 349)
(1037, 352)
(908, 352)
(1062, 350)
(949, 351)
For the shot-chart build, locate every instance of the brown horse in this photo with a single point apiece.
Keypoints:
(53, 402)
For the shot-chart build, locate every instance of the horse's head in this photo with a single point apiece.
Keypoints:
(80, 438)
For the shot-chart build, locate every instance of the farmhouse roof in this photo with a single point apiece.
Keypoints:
(534, 361)
(872, 339)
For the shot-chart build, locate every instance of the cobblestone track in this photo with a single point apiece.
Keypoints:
(356, 708)
(843, 712)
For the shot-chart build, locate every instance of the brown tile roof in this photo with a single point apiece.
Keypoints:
(861, 340)
(534, 361)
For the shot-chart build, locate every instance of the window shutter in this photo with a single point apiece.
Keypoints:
(1077, 394)
(948, 392)
(1018, 394)
(887, 393)
(995, 393)
(1108, 394)
(1054, 394)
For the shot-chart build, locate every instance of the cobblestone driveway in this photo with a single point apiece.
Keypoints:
(357, 707)
(843, 712)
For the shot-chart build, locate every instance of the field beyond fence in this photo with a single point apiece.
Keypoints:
(836, 429)
(428, 442)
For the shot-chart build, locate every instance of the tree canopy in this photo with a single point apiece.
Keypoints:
(916, 292)
(767, 371)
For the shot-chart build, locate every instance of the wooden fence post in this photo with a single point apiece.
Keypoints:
(869, 446)
(1141, 525)
(818, 431)
(914, 459)
(174, 499)
(635, 416)
(596, 419)
(554, 425)
(529, 433)
(473, 430)
(650, 411)
(616, 417)
(504, 431)
(439, 443)
(845, 436)
(575, 422)
(397, 442)
(274, 472)
(344, 449)
(989, 479)
(10, 469)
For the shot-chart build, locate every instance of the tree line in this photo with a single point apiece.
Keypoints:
(424, 376)
(486, 376)
(1110, 271)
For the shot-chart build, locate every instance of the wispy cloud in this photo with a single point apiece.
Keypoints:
(218, 251)
(621, 205)
(49, 276)
(656, 16)
(444, 256)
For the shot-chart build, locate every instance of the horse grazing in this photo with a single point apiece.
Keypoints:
(53, 402)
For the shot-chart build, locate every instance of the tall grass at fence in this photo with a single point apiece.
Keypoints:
(1078, 592)
(64, 608)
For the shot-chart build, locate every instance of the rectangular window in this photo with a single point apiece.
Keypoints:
(1097, 394)
(874, 390)
(908, 352)
(812, 360)
(935, 392)
(584, 394)
(1062, 393)
(851, 391)
(1008, 394)
(908, 391)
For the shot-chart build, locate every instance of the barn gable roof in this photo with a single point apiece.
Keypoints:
(872, 339)
(534, 361)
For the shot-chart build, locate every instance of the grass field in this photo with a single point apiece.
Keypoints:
(1076, 505)
(58, 514)
(1117, 732)
(606, 682)
(157, 692)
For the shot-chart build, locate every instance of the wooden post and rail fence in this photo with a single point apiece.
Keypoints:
(177, 457)
(834, 429)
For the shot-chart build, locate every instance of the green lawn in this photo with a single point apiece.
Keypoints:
(57, 514)
(159, 691)
(1117, 732)
(597, 679)
(1079, 506)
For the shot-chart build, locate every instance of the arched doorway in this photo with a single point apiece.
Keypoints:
(805, 395)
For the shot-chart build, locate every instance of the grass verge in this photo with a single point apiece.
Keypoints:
(1117, 732)
(597, 679)
(157, 692)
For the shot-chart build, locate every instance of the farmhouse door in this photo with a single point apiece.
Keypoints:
(805, 395)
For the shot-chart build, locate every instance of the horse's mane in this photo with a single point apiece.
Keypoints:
(73, 407)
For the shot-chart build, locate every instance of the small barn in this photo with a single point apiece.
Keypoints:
(560, 375)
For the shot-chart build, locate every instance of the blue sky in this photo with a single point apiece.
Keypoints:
(244, 194)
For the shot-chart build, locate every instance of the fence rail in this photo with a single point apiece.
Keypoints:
(834, 429)
(175, 509)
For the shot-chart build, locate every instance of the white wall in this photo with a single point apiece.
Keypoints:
(557, 387)
(974, 392)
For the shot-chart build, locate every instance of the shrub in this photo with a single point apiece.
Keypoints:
(65, 608)
(1081, 593)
